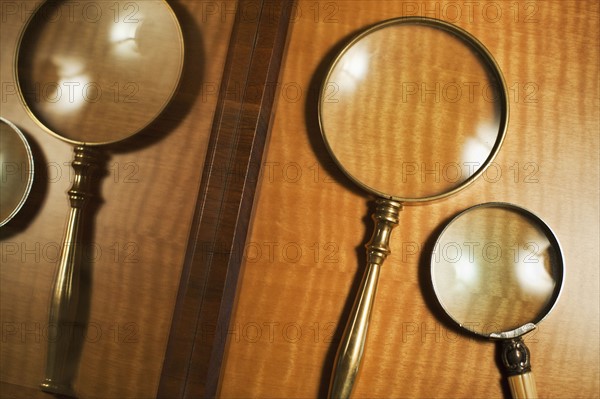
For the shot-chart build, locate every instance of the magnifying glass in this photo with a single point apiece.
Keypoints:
(92, 73)
(16, 162)
(412, 110)
(497, 270)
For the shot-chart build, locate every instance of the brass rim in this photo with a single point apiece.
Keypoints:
(560, 269)
(30, 164)
(76, 142)
(492, 67)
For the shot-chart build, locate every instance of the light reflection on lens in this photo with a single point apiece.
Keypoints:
(99, 80)
(397, 117)
(495, 264)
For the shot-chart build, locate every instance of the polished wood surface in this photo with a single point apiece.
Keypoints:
(304, 256)
(138, 237)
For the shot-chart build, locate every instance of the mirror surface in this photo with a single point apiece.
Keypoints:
(95, 72)
(494, 269)
(410, 111)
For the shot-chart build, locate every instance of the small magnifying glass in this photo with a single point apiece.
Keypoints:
(92, 73)
(16, 161)
(412, 110)
(498, 270)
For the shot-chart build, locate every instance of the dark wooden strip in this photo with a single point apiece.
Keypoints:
(209, 279)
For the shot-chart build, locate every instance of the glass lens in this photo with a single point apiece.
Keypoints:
(410, 111)
(99, 71)
(496, 268)
(17, 171)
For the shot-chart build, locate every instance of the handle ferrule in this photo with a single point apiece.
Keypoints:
(516, 361)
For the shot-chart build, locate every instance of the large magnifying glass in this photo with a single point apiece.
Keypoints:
(497, 271)
(93, 73)
(16, 163)
(412, 110)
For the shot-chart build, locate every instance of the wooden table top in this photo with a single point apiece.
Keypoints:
(304, 257)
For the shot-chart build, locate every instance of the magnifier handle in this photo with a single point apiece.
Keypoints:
(523, 386)
(65, 291)
(515, 358)
(350, 351)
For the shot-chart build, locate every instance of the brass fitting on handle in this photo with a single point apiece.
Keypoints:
(350, 351)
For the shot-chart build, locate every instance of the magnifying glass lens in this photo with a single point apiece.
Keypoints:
(495, 269)
(99, 71)
(17, 170)
(411, 110)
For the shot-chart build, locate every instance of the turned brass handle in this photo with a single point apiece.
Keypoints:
(65, 291)
(350, 351)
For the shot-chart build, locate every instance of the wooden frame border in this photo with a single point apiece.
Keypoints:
(208, 285)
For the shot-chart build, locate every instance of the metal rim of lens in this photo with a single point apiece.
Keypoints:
(32, 114)
(491, 66)
(560, 269)
(30, 174)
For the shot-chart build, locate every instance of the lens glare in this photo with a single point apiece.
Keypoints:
(99, 71)
(411, 111)
(496, 268)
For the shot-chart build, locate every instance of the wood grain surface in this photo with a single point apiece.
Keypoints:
(143, 217)
(304, 256)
